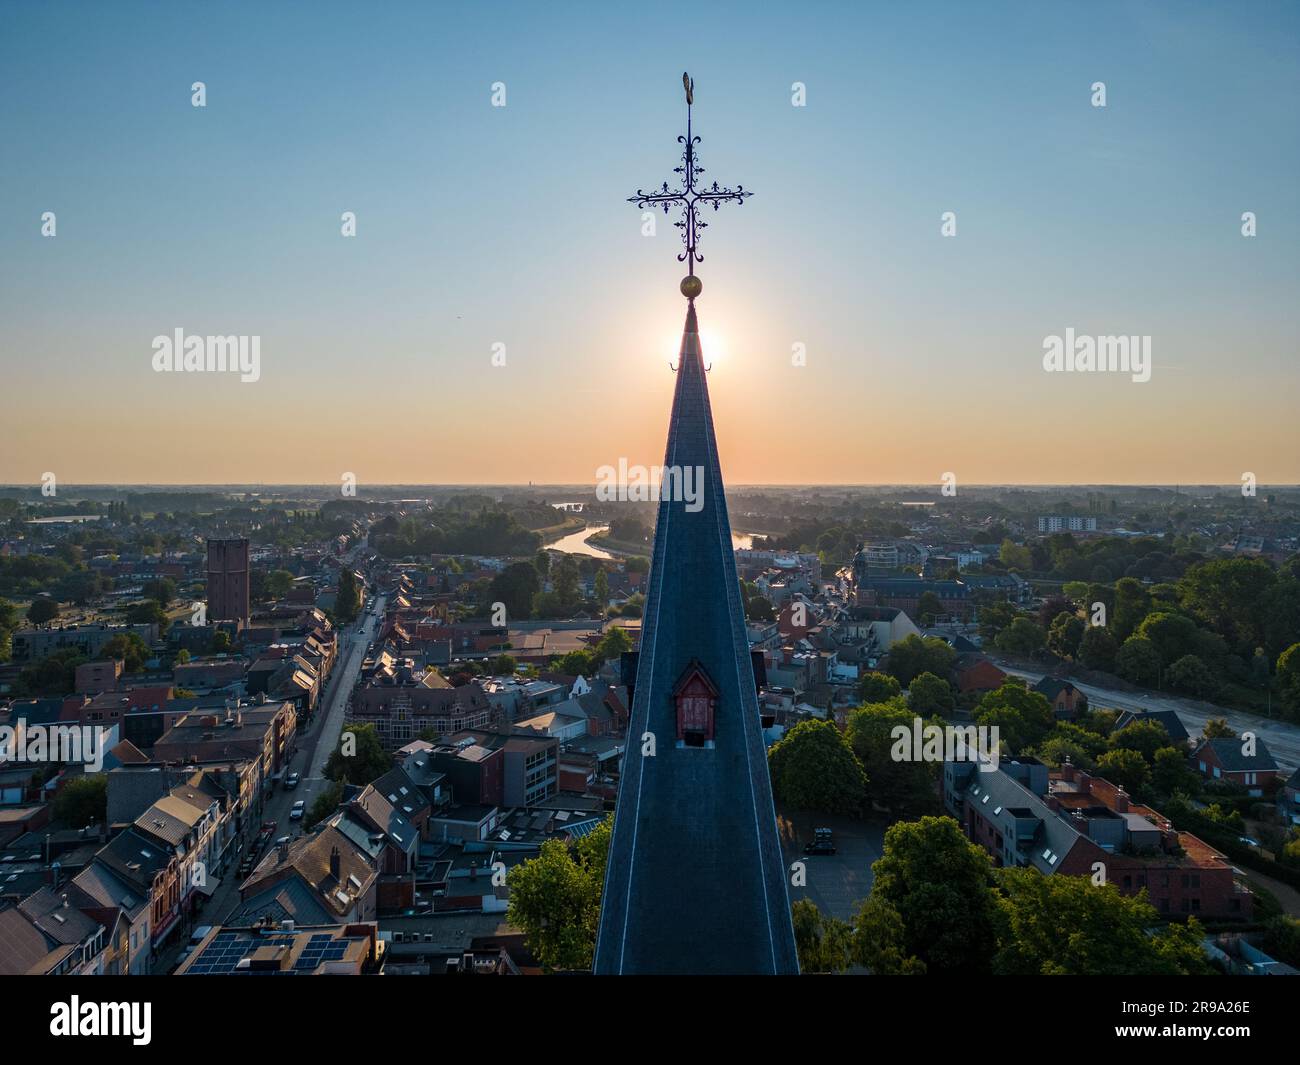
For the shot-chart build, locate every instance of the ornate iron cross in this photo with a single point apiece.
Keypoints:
(690, 198)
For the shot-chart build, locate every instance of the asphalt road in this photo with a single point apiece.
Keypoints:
(1282, 738)
(311, 751)
(838, 882)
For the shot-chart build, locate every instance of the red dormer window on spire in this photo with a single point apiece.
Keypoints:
(695, 698)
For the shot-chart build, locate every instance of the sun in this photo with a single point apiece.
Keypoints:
(713, 346)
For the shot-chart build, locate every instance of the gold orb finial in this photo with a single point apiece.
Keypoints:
(691, 286)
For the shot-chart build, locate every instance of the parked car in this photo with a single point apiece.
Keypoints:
(299, 808)
(824, 843)
(291, 781)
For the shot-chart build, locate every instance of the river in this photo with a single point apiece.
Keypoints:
(576, 543)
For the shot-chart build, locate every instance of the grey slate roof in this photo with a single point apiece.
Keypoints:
(1229, 753)
(695, 881)
(1169, 718)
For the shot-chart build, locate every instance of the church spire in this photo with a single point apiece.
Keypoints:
(695, 881)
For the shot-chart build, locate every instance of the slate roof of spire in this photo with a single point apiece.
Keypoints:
(696, 880)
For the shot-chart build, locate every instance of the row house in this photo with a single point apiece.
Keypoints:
(1073, 824)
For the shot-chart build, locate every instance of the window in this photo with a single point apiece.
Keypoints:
(696, 700)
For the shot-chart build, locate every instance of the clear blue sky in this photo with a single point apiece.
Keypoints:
(481, 224)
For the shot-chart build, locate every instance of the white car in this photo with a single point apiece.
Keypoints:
(299, 808)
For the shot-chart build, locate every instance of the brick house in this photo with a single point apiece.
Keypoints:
(1226, 758)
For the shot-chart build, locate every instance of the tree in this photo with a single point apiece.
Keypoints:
(1189, 674)
(1171, 773)
(1282, 939)
(613, 644)
(323, 805)
(1217, 728)
(1023, 718)
(182, 657)
(516, 586)
(1132, 603)
(278, 583)
(127, 648)
(359, 758)
(578, 663)
(928, 695)
(1106, 931)
(1065, 635)
(881, 687)
(929, 606)
(1138, 661)
(1172, 635)
(822, 941)
(915, 655)
(347, 603)
(1124, 767)
(814, 768)
(1288, 678)
(601, 588)
(995, 617)
(937, 881)
(163, 589)
(42, 611)
(878, 940)
(220, 644)
(148, 612)
(555, 899)
(502, 666)
(895, 784)
(83, 801)
(1229, 594)
(1097, 649)
(1015, 556)
(564, 578)
(1145, 737)
(1022, 637)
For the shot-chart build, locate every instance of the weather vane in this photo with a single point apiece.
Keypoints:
(690, 199)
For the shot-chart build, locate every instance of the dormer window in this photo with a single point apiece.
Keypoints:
(695, 699)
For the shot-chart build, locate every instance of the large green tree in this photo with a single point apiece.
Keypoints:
(937, 881)
(914, 655)
(1066, 926)
(347, 603)
(555, 899)
(516, 586)
(893, 783)
(1023, 718)
(823, 942)
(359, 757)
(814, 768)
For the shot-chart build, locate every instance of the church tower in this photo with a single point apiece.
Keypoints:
(695, 881)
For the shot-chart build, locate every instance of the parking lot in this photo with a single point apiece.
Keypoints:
(835, 882)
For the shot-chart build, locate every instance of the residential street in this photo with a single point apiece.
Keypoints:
(311, 751)
(1282, 738)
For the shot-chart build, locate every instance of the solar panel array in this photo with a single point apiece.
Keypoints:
(223, 955)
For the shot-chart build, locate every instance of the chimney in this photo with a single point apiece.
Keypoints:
(335, 863)
(473, 869)
(283, 849)
(1121, 801)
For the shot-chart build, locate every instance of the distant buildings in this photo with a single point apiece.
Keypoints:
(1056, 523)
(29, 645)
